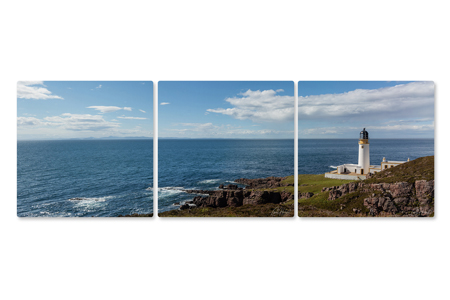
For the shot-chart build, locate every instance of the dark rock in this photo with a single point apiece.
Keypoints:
(424, 190)
(231, 187)
(184, 206)
(235, 201)
(232, 195)
(399, 198)
(306, 195)
(285, 196)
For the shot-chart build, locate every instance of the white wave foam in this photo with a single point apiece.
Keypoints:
(210, 181)
(165, 192)
(167, 188)
(87, 200)
(90, 204)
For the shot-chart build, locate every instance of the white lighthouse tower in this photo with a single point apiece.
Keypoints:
(364, 154)
(363, 168)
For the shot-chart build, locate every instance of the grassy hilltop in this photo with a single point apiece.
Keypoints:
(352, 204)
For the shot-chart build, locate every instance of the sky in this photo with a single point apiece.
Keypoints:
(387, 109)
(226, 109)
(84, 109)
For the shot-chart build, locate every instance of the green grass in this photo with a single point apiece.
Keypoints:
(318, 205)
(418, 169)
(342, 206)
(288, 180)
(314, 183)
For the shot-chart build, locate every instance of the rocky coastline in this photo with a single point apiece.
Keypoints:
(402, 198)
(254, 193)
(406, 190)
(271, 191)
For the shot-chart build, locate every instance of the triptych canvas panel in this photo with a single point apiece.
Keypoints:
(225, 149)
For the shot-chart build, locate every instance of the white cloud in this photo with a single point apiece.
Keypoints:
(402, 127)
(328, 130)
(74, 125)
(108, 109)
(410, 121)
(164, 103)
(377, 128)
(34, 90)
(99, 87)
(260, 106)
(81, 122)
(222, 131)
(28, 121)
(416, 98)
(132, 118)
(142, 111)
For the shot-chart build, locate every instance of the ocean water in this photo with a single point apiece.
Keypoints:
(207, 163)
(113, 177)
(315, 156)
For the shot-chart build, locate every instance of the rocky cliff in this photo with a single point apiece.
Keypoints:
(405, 191)
(257, 191)
(402, 198)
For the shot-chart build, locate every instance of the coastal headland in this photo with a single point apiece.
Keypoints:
(406, 190)
(262, 197)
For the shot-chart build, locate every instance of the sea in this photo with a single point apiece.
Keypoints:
(108, 178)
(84, 178)
(205, 164)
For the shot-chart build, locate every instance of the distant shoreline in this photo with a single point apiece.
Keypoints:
(212, 139)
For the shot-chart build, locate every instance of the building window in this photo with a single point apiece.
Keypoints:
(385, 166)
(362, 171)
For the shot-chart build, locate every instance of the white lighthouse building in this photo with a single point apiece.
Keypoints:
(363, 168)
(364, 154)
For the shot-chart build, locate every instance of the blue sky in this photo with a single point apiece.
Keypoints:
(341, 109)
(226, 109)
(83, 109)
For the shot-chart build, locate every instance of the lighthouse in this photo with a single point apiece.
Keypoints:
(364, 154)
(361, 170)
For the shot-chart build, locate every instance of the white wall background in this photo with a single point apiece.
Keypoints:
(214, 258)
